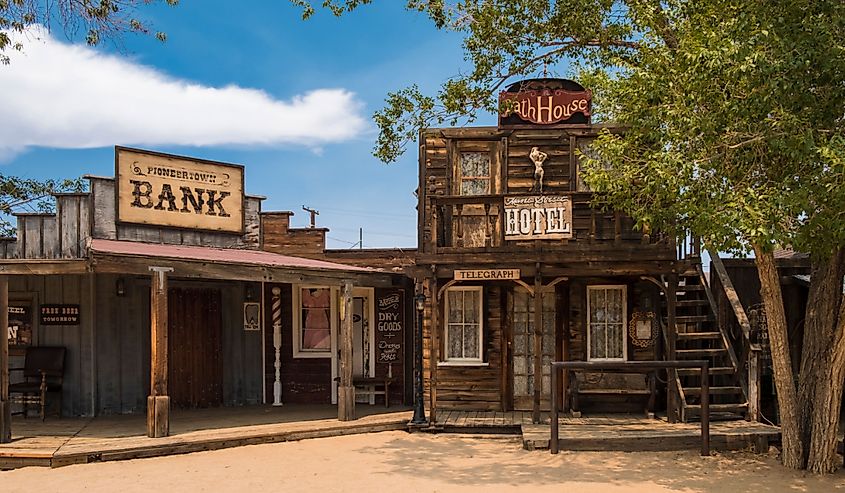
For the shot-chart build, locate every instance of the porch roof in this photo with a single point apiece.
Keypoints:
(217, 255)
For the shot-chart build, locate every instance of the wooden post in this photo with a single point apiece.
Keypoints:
(672, 334)
(5, 404)
(158, 402)
(277, 345)
(565, 349)
(754, 384)
(538, 344)
(433, 349)
(346, 391)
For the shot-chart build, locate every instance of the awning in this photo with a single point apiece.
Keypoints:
(132, 257)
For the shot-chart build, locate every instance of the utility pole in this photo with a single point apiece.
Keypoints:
(314, 213)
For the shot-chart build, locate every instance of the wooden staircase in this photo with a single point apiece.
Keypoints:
(699, 337)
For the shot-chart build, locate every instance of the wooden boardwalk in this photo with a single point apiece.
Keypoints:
(61, 442)
(622, 432)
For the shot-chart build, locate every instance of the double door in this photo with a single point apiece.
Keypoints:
(523, 378)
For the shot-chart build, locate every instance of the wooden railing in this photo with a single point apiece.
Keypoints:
(736, 333)
(478, 222)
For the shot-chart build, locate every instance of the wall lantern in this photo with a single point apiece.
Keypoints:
(120, 287)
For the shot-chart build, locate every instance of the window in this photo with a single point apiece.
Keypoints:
(314, 310)
(606, 319)
(475, 173)
(463, 324)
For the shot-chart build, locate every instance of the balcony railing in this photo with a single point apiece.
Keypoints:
(477, 223)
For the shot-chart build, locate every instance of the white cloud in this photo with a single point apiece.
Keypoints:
(61, 95)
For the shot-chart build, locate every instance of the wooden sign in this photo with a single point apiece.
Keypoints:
(544, 107)
(390, 326)
(59, 315)
(538, 217)
(165, 190)
(487, 275)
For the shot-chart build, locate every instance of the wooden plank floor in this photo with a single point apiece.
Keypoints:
(609, 431)
(60, 442)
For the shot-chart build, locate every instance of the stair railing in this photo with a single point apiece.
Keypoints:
(747, 363)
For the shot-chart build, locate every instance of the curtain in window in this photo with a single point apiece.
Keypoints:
(463, 322)
(475, 173)
(316, 328)
(607, 331)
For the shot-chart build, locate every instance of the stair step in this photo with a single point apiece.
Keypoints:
(716, 370)
(699, 353)
(690, 287)
(739, 408)
(698, 335)
(713, 390)
(681, 303)
(693, 318)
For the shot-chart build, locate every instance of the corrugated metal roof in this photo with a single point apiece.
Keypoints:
(217, 255)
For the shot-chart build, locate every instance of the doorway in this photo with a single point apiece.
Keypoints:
(195, 359)
(521, 308)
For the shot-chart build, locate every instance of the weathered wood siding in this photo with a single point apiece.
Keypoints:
(471, 387)
(123, 344)
(278, 237)
(78, 386)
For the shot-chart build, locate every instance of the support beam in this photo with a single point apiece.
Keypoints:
(538, 345)
(346, 391)
(672, 397)
(5, 404)
(433, 350)
(158, 402)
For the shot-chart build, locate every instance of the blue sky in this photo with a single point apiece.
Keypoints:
(212, 47)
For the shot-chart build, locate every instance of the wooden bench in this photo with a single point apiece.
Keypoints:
(370, 386)
(612, 383)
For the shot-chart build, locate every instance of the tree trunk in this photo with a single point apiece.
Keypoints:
(793, 446)
(822, 363)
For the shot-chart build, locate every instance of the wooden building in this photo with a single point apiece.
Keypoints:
(520, 270)
(169, 281)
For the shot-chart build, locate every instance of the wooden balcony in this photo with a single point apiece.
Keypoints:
(476, 225)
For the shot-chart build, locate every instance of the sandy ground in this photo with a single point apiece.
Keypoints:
(400, 462)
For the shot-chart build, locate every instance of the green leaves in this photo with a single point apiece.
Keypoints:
(97, 19)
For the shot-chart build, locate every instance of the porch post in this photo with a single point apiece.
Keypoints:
(158, 402)
(5, 405)
(277, 345)
(672, 334)
(538, 344)
(346, 391)
(433, 348)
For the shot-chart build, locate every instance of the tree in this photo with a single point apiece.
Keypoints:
(734, 113)
(98, 19)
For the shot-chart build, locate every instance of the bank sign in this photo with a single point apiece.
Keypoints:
(165, 190)
(538, 217)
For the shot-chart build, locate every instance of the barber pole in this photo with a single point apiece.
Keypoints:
(277, 345)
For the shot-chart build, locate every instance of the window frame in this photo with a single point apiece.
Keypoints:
(298, 351)
(459, 147)
(624, 331)
(464, 361)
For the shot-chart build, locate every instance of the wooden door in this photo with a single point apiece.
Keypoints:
(195, 371)
(521, 306)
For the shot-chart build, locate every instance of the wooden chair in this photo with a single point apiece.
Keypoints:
(44, 368)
